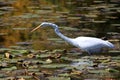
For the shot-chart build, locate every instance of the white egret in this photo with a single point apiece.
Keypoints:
(88, 44)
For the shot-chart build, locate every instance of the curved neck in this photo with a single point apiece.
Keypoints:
(61, 35)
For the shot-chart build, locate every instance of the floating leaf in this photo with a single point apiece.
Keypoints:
(3, 34)
(74, 18)
(39, 62)
(20, 28)
(54, 39)
(98, 71)
(14, 61)
(64, 75)
(19, 51)
(69, 28)
(43, 11)
(6, 8)
(59, 78)
(10, 69)
(33, 70)
(4, 49)
(112, 70)
(76, 72)
(67, 58)
(29, 15)
(116, 58)
(54, 66)
(15, 47)
(81, 66)
(98, 21)
(117, 25)
(43, 55)
(24, 77)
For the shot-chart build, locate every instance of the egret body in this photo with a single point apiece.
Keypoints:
(88, 44)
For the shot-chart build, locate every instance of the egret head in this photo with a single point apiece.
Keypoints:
(45, 24)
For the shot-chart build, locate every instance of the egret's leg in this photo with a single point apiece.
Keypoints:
(89, 52)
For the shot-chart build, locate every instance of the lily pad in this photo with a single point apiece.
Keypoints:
(43, 11)
(2, 76)
(19, 51)
(59, 78)
(33, 70)
(39, 62)
(54, 39)
(112, 70)
(25, 77)
(98, 71)
(29, 15)
(54, 66)
(20, 28)
(15, 47)
(116, 25)
(116, 58)
(3, 34)
(81, 66)
(98, 21)
(64, 75)
(14, 61)
(57, 50)
(66, 58)
(4, 49)
(69, 28)
(43, 55)
(10, 69)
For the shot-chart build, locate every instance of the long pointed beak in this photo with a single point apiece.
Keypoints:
(35, 28)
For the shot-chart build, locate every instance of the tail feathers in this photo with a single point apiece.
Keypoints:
(109, 44)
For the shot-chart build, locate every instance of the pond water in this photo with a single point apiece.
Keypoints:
(96, 18)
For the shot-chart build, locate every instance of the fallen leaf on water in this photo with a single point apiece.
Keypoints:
(8, 55)
(49, 61)
(75, 72)
(30, 55)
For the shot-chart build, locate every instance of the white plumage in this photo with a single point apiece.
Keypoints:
(89, 44)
